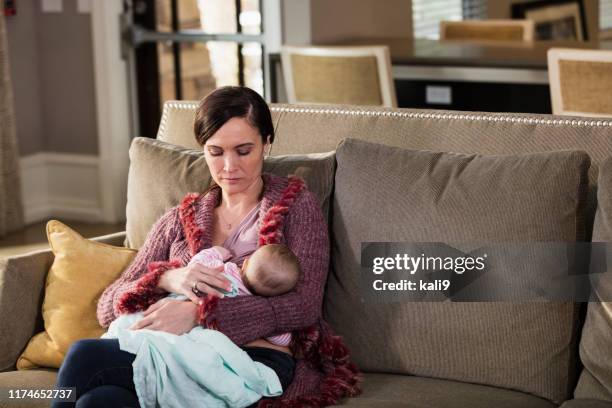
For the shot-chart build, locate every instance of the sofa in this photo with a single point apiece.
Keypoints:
(401, 175)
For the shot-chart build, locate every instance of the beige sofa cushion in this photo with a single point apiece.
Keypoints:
(388, 194)
(401, 391)
(379, 390)
(26, 380)
(161, 174)
(586, 403)
(596, 341)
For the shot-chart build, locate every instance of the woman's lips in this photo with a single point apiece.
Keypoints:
(232, 180)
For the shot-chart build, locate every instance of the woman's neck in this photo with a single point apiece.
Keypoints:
(245, 199)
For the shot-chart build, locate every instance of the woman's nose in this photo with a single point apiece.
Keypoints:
(229, 163)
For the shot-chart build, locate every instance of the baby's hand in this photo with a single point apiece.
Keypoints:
(224, 252)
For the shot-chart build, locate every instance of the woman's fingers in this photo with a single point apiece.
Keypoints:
(209, 281)
(176, 317)
(192, 296)
(212, 277)
(143, 323)
(155, 306)
(204, 287)
(218, 281)
(217, 270)
(215, 279)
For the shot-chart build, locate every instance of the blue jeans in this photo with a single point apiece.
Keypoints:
(103, 376)
(101, 372)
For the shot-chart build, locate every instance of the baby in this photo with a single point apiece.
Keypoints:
(271, 270)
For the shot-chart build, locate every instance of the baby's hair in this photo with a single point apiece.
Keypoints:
(276, 270)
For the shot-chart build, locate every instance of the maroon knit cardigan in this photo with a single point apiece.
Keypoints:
(324, 373)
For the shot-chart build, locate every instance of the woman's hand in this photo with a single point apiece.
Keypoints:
(206, 280)
(169, 315)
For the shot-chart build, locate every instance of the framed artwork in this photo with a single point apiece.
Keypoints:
(554, 20)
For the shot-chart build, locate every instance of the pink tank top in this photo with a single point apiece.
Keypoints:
(242, 242)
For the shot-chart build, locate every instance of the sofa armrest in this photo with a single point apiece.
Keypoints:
(116, 239)
(22, 283)
(22, 286)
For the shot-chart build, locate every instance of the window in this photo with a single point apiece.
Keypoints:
(427, 14)
(183, 49)
(605, 14)
(474, 9)
(204, 66)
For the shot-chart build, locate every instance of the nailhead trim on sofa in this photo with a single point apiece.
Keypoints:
(493, 117)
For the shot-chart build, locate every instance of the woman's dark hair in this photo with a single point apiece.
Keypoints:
(229, 102)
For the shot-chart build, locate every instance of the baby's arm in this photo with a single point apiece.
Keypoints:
(225, 254)
(211, 257)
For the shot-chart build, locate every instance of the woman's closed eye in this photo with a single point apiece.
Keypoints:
(215, 151)
(243, 152)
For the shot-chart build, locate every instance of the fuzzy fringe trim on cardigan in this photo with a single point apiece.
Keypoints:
(146, 293)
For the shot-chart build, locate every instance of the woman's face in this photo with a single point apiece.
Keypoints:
(234, 155)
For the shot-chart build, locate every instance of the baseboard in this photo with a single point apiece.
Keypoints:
(60, 185)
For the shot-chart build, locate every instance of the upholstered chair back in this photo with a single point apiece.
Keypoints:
(347, 75)
(487, 30)
(580, 82)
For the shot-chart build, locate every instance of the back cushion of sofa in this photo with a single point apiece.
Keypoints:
(162, 173)
(388, 194)
(595, 381)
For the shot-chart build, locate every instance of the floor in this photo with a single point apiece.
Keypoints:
(34, 236)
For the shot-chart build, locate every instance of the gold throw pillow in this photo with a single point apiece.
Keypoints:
(82, 269)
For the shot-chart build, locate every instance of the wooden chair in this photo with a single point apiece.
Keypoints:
(517, 31)
(339, 75)
(580, 82)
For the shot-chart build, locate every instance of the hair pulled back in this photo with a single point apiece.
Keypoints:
(229, 102)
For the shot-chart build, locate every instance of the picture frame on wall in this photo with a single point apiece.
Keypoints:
(554, 20)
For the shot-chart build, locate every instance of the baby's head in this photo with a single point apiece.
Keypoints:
(271, 270)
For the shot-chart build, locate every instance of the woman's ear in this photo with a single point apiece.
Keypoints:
(267, 147)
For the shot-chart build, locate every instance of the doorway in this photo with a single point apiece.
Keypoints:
(183, 49)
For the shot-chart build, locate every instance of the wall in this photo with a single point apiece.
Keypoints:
(67, 80)
(22, 33)
(296, 22)
(340, 19)
(52, 71)
(501, 9)
(51, 57)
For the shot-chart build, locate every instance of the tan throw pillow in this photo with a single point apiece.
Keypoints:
(80, 272)
(161, 174)
(389, 194)
(596, 341)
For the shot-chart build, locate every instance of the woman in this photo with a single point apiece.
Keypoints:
(234, 126)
